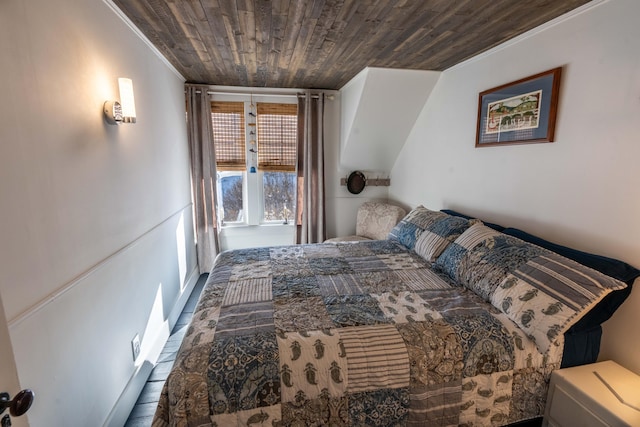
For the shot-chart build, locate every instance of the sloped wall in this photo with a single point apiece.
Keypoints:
(374, 113)
(379, 108)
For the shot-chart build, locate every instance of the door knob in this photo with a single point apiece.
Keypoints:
(20, 403)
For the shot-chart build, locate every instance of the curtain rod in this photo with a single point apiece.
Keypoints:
(284, 95)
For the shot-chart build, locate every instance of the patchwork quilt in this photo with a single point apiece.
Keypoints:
(351, 334)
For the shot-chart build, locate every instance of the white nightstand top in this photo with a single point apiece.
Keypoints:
(587, 385)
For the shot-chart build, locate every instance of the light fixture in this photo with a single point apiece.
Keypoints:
(123, 111)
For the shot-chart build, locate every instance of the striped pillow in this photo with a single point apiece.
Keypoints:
(413, 224)
(437, 236)
(549, 294)
(450, 260)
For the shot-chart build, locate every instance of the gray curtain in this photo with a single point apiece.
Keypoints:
(310, 215)
(203, 174)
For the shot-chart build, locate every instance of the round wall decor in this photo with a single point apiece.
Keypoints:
(356, 182)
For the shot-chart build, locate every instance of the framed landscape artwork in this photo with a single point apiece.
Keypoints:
(519, 112)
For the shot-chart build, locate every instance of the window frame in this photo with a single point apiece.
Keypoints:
(253, 183)
(220, 209)
(273, 108)
(262, 201)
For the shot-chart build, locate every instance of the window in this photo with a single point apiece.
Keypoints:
(227, 119)
(230, 196)
(277, 159)
(268, 133)
(279, 196)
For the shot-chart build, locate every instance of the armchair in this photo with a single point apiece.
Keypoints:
(374, 221)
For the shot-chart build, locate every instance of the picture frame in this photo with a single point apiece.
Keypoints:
(521, 112)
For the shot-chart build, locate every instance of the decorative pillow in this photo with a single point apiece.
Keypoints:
(436, 237)
(413, 224)
(451, 258)
(488, 257)
(376, 219)
(492, 260)
(550, 293)
(607, 266)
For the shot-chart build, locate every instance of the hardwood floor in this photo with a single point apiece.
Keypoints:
(142, 413)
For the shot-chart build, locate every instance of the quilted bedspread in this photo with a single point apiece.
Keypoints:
(352, 334)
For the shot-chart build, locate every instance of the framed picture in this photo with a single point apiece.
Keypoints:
(520, 112)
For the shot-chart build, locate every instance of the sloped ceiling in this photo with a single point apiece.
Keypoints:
(325, 43)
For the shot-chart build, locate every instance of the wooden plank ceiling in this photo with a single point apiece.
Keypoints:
(324, 43)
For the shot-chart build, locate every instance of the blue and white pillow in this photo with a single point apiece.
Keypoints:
(549, 294)
(407, 231)
(451, 258)
(439, 235)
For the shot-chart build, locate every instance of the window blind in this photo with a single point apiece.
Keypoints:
(277, 136)
(227, 120)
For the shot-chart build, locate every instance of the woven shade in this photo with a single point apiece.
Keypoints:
(277, 136)
(227, 119)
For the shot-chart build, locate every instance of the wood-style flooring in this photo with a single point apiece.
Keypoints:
(142, 413)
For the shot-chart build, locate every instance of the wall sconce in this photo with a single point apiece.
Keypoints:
(124, 111)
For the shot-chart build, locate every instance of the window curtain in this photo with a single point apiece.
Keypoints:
(203, 174)
(310, 215)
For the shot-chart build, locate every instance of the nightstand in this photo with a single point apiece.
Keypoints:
(579, 397)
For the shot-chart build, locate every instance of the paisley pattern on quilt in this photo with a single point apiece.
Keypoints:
(349, 334)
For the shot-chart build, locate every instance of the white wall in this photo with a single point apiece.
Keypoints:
(379, 108)
(341, 207)
(580, 190)
(97, 236)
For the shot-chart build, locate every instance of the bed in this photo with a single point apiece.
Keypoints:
(447, 322)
